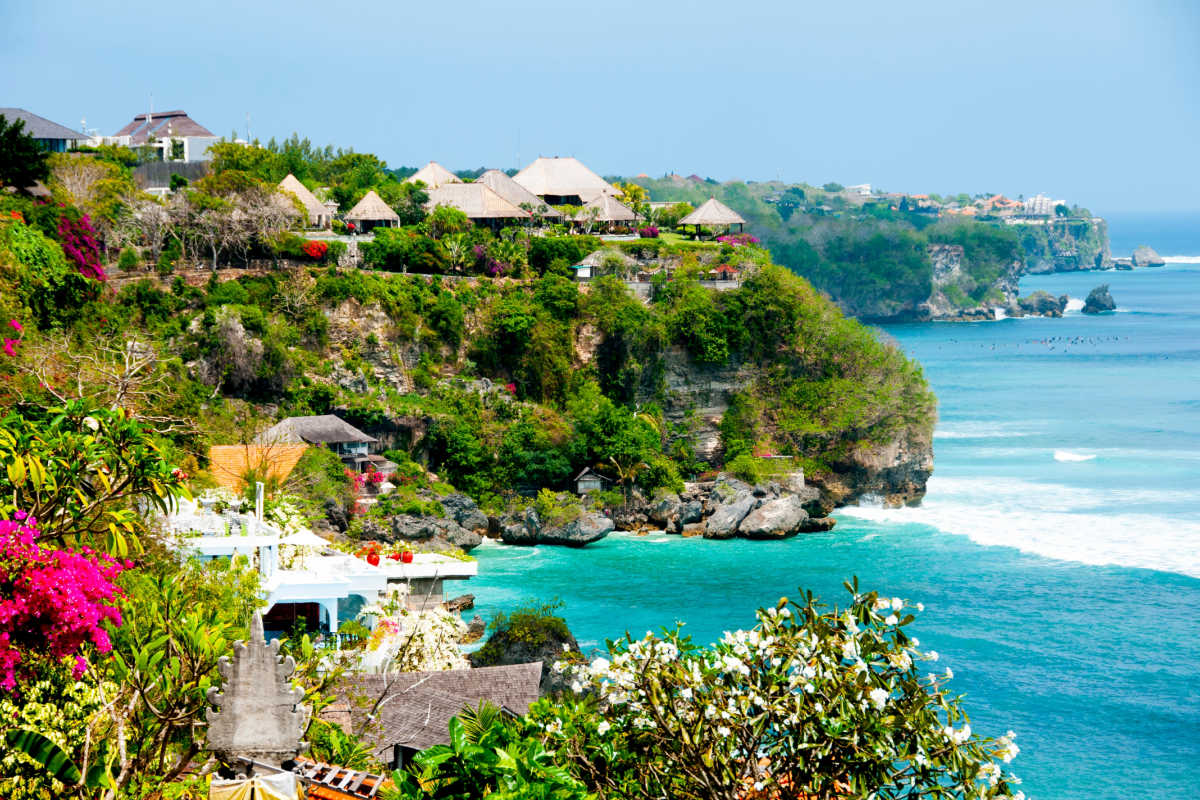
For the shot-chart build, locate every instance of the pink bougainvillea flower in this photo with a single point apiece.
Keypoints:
(16, 326)
(10, 347)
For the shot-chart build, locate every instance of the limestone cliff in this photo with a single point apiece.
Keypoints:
(892, 466)
(1066, 245)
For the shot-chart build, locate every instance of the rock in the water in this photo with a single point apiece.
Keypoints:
(1099, 300)
(524, 529)
(774, 519)
(586, 529)
(817, 524)
(723, 524)
(1042, 304)
(463, 510)
(1144, 256)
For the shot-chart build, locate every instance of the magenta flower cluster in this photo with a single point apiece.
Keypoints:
(737, 239)
(53, 603)
(648, 232)
(78, 240)
(10, 345)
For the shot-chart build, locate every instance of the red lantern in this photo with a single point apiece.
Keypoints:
(373, 559)
(394, 556)
(406, 557)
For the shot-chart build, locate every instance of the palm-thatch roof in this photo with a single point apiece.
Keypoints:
(563, 177)
(476, 200)
(713, 212)
(315, 208)
(607, 210)
(372, 208)
(514, 192)
(597, 258)
(433, 175)
(319, 429)
(415, 707)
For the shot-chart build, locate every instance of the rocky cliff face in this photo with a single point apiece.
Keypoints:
(1065, 246)
(696, 397)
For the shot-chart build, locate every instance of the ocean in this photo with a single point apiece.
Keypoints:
(1057, 552)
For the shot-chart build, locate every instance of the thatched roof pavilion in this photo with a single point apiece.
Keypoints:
(372, 212)
(607, 209)
(563, 180)
(433, 175)
(318, 214)
(515, 193)
(713, 214)
(477, 201)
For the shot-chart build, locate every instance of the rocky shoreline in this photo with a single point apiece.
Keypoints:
(722, 508)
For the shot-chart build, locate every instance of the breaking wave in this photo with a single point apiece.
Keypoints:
(1067, 455)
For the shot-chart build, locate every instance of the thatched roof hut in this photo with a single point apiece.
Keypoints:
(371, 212)
(318, 429)
(563, 180)
(476, 200)
(318, 214)
(433, 175)
(713, 213)
(605, 208)
(515, 193)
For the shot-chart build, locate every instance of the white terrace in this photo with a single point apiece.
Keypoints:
(303, 577)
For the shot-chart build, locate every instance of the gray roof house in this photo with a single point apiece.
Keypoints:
(340, 436)
(50, 135)
(413, 709)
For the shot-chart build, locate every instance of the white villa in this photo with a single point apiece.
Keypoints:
(303, 576)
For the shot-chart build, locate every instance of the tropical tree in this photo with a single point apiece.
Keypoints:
(23, 162)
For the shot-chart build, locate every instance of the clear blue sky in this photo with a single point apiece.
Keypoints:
(1095, 101)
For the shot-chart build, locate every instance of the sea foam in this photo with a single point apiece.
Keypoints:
(1068, 456)
(1056, 521)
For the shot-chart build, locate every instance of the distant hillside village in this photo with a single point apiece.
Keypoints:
(167, 194)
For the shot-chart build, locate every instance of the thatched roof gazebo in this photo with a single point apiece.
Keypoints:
(714, 214)
(318, 214)
(606, 210)
(516, 194)
(372, 212)
(561, 181)
(433, 175)
(477, 201)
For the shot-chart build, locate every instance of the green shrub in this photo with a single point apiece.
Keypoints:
(129, 259)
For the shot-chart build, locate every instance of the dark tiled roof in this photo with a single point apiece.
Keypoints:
(160, 124)
(320, 429)
(40, 127)
(417, 706)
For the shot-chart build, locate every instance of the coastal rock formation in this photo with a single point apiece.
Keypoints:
(725, 519)
(1144, 256)
(434, 531)
(1099, 301)
(588, 528)
(466, 513)
(1040, 304)
(547, 640)
(774, 519)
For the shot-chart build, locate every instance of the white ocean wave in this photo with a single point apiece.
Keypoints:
(1074, 304)
(1181, 259)
(1067, 455)
(982, 430)
(1057, 521)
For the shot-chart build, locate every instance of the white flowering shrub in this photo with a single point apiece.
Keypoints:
(809, 703)
(406, 640)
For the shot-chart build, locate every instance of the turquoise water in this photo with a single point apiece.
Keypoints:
(1057, 553)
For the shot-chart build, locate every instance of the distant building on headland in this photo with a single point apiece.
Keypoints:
(50, 135)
